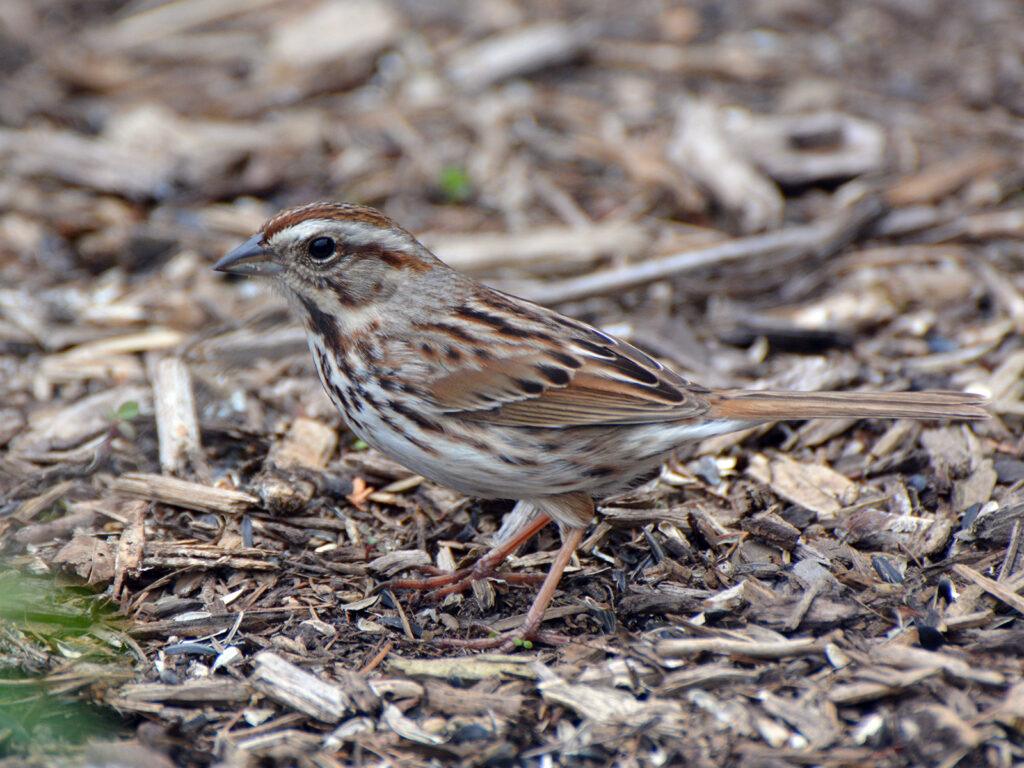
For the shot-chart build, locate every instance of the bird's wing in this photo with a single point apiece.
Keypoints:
(551, 371)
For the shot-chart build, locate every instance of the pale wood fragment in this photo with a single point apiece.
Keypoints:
(69, 426)
(919, 658)
(296, 688)
(182, 493)
(131, 544)
(993, 587)
(517, 52)
(779, 649)
(308, 444)
(539, 247)
(701, 147)
(813, 486)
(195, 691)
(177, 425)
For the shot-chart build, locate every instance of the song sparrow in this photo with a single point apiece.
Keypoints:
(496, 397)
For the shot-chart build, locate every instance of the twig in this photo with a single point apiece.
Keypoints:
(823, 238)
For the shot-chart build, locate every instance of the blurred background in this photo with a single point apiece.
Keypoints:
(527, 143)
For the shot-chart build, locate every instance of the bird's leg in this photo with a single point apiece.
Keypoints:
(571, 538)
(443, 584)
(573, 511)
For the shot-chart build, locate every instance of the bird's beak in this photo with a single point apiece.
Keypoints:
(250, 258)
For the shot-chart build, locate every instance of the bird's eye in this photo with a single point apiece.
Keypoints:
(320, 248)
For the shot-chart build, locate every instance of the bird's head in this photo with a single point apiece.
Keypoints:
(333, 257)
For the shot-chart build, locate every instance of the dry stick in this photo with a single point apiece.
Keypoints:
(994, 588)
(1012, 548)
(777, 649)
(824, 237)
(378, 657)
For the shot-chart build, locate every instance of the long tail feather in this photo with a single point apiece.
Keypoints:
(782, 406)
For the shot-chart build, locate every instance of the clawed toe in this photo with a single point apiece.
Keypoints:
(431, 584)
(438, 587)
(441, 585)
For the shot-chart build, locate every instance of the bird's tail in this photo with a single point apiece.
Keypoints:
(781, 406)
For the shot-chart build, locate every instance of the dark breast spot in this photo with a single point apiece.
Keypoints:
(387, 420)
(364, 347)
(415, 417)
(479, 445)
(411, 389)
(428, 449)
(322, 324)
(339, 395)
(344, 365)
(364, 396)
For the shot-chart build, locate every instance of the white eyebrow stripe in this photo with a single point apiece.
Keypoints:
(352, 232)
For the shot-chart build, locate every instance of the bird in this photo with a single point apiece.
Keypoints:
(496, 397)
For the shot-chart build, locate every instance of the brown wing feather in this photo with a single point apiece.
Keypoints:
(611, 383)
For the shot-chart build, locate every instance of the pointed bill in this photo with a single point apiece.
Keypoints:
(250, 258)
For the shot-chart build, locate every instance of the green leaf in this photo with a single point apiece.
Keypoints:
(128, 411)
(455, 184)
(359, 444)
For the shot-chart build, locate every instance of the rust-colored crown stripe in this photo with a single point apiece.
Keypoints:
(325, 210)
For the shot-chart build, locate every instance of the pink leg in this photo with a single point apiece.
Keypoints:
(458, 581)
(571, 538)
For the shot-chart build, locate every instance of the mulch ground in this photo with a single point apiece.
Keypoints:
(773, 194)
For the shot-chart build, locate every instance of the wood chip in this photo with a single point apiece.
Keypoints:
(848, 694)
(69, 426)
(918, 658)
(91, 557)
(198, 691)
(480, 667)
(182, 493)
(611, 706)
(517, 52)
(309, 444)
(700, 147)
(131, 544)
(812, 486)
(743, 648)
(177, 426)
(468, 701)
(993, 587)
(296, 688)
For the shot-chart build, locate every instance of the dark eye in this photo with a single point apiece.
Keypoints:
(320, 248)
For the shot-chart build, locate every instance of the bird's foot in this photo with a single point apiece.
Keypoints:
(444, 583)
